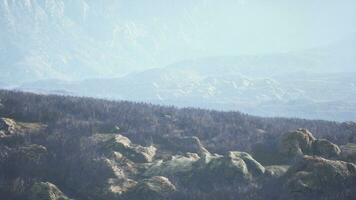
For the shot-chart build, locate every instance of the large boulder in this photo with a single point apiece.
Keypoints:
(155, 188)
(177, 165)
(7, 126)
(134, 152)
(294, 145)
(326, 149)
(122, 169)
(46, 191)
(297, 143)
(253, 167)
(319, 178)
(233, 167)
(276, 171)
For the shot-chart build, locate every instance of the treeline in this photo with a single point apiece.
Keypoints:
(142, 122)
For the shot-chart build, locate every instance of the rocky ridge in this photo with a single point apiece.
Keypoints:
(35, 165)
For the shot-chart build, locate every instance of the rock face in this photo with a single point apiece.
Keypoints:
(232, 168)
(326, 149)
(155, 188)
(177, 165)
(7, 126)
(319, 178)
(237, 163)
(297, 143)
(46, 191)
(136, 153)
(276, 171)
(301, 142)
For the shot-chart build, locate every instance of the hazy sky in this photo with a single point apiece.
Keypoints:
(252, 26)
(115, 37)
(175, 30)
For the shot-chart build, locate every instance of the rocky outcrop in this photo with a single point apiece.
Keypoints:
(155, 188)
(325, 149)
(136, 153)
(111, 167)
(319, 178)
(297, 143)
(177, 165)
(13, 133)
(234, 167)
(301, 142)
(276, 171)
(7, 126)
(46, 191)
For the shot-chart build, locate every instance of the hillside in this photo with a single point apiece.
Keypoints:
(217, 130)
(59, 148)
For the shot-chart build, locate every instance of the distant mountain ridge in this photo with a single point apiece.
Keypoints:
(306, 95)
(72, 40)
(87, 48)
(316, 83)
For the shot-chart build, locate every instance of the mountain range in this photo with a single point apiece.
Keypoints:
(271, 85)
(87, 48)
